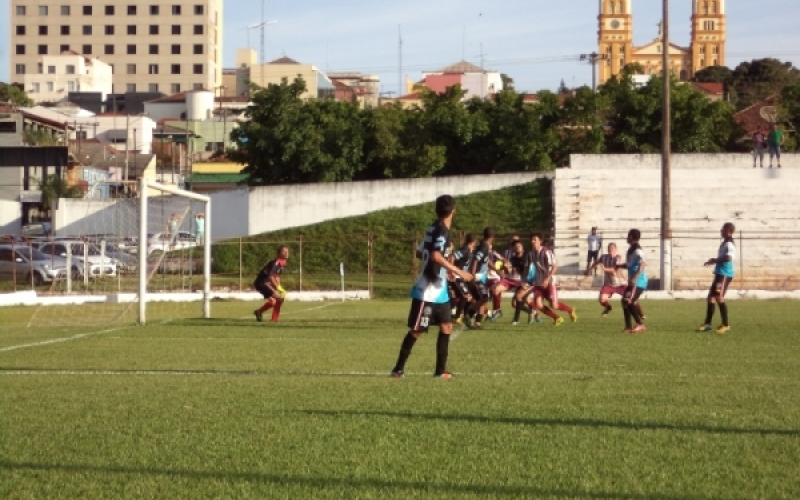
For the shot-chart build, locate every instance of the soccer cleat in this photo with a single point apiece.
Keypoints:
(530, 319)
(722, 330)
(458, 322)
(605, 313)
(537, 319)
(397, 374)
(444, 375)
(497, 314)
(515, 323)
(259, 316)
(704, 328)
(573, 316)
(644, 317)
(638, 329)
(558, 321)
(468, 321)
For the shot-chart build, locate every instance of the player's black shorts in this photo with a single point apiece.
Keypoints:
(267, 291)
(459, 288)
(593, 255)
(632, 294)
(424, 314)
(479, 291)
(720, 286)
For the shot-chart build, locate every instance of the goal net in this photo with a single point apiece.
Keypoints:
(137, 259)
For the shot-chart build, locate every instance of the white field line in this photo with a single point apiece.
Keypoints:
(258, 373)
(62, 339)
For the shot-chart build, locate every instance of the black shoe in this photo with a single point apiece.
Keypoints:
(397, 374)
(259, 316)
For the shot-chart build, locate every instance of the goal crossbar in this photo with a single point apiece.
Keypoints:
(144, 191)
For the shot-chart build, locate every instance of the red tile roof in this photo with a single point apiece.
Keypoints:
(713, 88)
(750, 119)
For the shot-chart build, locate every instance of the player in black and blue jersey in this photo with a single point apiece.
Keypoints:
(459, 289)
(724, 271)
(479, 268)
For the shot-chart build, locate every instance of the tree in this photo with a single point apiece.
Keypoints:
(40, 137)
(790, 113)
(714, 74)
(562, 88)
(12, 94)
(53, 188)
(508, 82)
(758, 79)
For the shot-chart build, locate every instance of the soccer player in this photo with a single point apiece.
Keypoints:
(462, 258)
(723, 275)
(545, 288)
(524, 298)
(613, 282)
(479, 267)
(268, 283)
(429, 297)
(514, 267)
(499, 267)
(637, 283)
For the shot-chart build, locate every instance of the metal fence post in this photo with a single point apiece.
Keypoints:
(369, 264)
(240, 263)
(300, 252)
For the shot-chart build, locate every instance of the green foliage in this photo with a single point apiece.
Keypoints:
(40, 137)
(13, 95)
(304, 409)
(54, 187)
(790, 114)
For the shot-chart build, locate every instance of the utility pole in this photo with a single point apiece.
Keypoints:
(594, 58)
(127, 151)
(666, 146)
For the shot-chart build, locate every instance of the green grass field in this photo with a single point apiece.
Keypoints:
(232, 409)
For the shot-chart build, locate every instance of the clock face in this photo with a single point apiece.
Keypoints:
(615, 24)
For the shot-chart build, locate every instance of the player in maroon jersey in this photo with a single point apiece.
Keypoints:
(268, 283)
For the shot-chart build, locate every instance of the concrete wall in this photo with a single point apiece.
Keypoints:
(619, 192)
(10, 217)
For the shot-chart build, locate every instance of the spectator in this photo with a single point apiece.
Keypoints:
(199, 228)
(774, 142)
(759, 146)
(595, 244)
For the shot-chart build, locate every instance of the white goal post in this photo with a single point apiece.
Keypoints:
(145, 270)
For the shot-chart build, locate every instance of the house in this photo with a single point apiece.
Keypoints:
(476, 81)
(760, 115)
(713, 90)
(215, 176)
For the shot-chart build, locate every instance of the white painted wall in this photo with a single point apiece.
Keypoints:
(10, 217)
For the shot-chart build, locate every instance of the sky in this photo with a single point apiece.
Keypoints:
(536, 42)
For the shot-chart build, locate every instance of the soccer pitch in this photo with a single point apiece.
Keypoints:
(233, 409)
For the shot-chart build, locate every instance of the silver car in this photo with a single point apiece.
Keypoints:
(30, 265)
(97, 263)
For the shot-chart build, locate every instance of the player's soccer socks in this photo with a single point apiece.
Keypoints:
(723, 311)
(606, 305)
(635, 313)
(442, 348)
(710, 312)
(563, 307)
(478, 318)
(497, 300)
(521, 306)
(267, 305)
(628, 317)
(549, 313)
(276, 311)
(639, 308)
(405, 352)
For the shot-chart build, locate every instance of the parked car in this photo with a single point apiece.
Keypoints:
(126, 263)
(38, 229)
(97, 262)
(161, 242)
(31, 265)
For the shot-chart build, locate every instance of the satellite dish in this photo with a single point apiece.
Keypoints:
(769, 113)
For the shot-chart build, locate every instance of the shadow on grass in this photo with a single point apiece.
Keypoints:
(386, 486)
(553, 422)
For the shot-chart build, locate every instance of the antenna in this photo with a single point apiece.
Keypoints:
(464, 43)
(400, 60)
(260, 25)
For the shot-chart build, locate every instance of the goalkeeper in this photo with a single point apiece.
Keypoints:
(268, 283)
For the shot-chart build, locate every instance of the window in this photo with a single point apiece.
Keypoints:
(131, 10)
(70, 69)
(175, 69)
(176, 29)
(197, 86)
(43, 30)
(176, 10)
(131, 29)
(20, 30)
(130, 69)
(39, 69)
(65, 10)
(20, 50)
(43, 10)
(131, 87)
(131, 49)
(65, 30)
(87, 30)
(152, 69)
(109, 30)
(152, 87)
(36, 87)
(198, 29)
(21, 10)
(713, 7)
(108, 50)
(715, 49)
(198, 10)
(70, 86)
(198, 49)
(153, 29)
(152, 49)
(705, 8)
(87, 10)
(63, 48)
(51, 70)
(197, 69)
(175, 88)
(176, 49)
(109, 10)
(20, 69)
(42, 50)
(154, 10)
(86, 49)
(50, 86)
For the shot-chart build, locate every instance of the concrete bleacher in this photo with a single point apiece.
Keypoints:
(620, 192)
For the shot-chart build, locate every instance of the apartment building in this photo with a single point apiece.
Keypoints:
(65, 73)
(151, 46)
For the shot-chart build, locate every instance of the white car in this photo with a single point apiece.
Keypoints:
(162, 242)
(96, 263)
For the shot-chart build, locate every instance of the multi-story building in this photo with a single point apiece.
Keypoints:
(151, 46)
(616, 49)
(57, 76)
(318, 85)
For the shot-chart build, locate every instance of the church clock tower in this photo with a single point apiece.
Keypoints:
(708, 34)
(615, 37)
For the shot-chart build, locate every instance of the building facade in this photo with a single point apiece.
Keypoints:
(150, 46)
(58, 76)
(615, 39)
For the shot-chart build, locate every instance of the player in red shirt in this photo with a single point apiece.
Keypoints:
(268, 283)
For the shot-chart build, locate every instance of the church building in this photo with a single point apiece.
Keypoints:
(615, 38)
